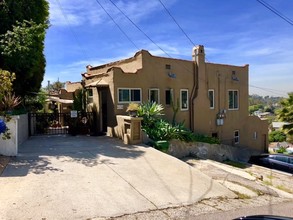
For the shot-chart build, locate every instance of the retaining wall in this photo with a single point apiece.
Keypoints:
(218, 152)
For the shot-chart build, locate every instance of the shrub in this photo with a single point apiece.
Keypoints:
(158, 129)
(277, 136)
(281, 150)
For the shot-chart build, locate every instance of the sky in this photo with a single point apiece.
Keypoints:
(233, 32)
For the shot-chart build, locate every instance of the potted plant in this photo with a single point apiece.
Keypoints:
(9, 102)
(132, 109)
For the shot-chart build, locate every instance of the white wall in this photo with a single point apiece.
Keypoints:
(18, 127)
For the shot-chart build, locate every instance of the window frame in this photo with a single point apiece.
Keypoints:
(168, 66)
(88, 93)
(181, 99)
(236, 137)
(158, 91)
(233, 99)
(255, 135)
(213, 93)
(130, 96)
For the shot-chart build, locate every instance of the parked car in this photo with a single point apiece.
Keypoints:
(274, 161)
(263, 217)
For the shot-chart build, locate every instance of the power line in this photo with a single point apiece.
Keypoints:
(118, 25)
(275, 11)
(139, 28)
(169, 13)
(178, 25)
(273, 91)
(71, 30)
(265, 89)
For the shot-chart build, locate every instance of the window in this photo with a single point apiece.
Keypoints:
(255, 135)
(90, 93)
(184, 99)
(154, 95)
(129, 95)
(236, 137)
(211, 95)
(233, 99)
(168, 66)
(169, 96)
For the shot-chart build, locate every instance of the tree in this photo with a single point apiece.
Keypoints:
(56, 86)
(22, 33)
(285, 114)
(6, 79)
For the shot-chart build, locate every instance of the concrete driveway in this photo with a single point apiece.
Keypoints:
(65, 177)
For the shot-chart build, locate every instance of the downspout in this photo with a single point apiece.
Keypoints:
(194, 94)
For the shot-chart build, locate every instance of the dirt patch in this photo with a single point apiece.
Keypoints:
(4, 160)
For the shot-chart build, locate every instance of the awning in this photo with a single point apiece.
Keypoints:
(57, 99)
(98, 83)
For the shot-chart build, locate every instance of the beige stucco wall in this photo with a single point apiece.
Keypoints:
(72, 86)
(218, 78)
(154, 75)
(146, 72)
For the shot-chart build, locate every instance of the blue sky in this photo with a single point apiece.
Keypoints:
(233, 32)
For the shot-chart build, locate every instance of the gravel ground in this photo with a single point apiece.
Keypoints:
(268, 187)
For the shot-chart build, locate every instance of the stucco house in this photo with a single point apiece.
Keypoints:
(62, 100)
(212, 98)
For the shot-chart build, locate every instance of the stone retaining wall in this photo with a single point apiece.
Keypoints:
(218, 152)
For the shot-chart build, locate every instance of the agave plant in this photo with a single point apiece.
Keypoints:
(151, 112)
(10, 101)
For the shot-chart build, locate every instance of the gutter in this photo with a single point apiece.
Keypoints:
(194, 94)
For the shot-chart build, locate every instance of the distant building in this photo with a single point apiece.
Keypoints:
(262, 115)
(276, 125)
(212, 98)
(62, 100)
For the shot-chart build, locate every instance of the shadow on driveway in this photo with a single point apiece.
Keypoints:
(90, 151)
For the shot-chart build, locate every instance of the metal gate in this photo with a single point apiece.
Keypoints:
(62, 123)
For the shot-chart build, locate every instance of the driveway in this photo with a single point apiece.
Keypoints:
(66, 177)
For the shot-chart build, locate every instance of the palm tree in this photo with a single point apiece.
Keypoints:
(285, 114)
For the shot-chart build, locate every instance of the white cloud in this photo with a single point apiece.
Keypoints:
(74, 12)
(79, 12)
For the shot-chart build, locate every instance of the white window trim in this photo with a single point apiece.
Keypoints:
(125, 102)
(255, 135)
(212, 90)
(184, 109)
(236, 137)
(154, 89)
(233, 90)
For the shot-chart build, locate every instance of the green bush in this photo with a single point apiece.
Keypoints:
(277, 136)
(281, 150)
(158, 129)
(206, 139)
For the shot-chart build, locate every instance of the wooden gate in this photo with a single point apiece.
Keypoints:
(62, 123)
